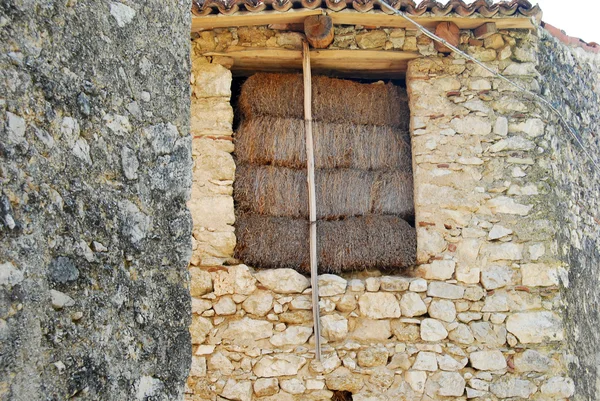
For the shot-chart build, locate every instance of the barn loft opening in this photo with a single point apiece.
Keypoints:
(363, 176)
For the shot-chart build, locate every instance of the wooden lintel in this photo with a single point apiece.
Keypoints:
(486, 30)
(246, 18)
(349, 17)
(343, 63)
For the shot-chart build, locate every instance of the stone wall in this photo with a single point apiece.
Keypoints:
(481, 319)
(571, 81)
(94, 174)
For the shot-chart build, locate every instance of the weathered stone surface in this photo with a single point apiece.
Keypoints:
(432, 330)
(199, 328)
(237, 390)
(266, 386)
(330, 284)
(558, 387)
(283, 281)
(461, 335)
(248, 329)
(535, 327)
(379, 305)
(225, 306)
(293, 335)
(426, 361)
(342, 379)
(278, 365)
(487, 360)
(448, 363)
(416, 380)
(444, 290)
(200, 282)
(372, 356)
(411, 305)
(493, 277)
(539, 275)
(259, 303)
(438, 270)
(334, 327)
(60, 300)
(10, 275)
(371, 330)
(507, 386)
(531, 361)
(446, 384)
(442, 309)
(486, 333)
(405, 331)
(293, 386)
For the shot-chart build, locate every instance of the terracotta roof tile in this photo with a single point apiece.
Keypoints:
(484, 8)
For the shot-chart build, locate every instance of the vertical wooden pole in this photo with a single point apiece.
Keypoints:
(312, 200)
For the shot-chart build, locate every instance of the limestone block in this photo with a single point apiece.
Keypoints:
(507, 386)
(438, 270)
(371, 39)
(335, 327)
(278, 365)
(283, 281)
(461, 335)
(211, 116)
(293, 386)
(394, 284)
(372, 356)
(539, 275)
(433, 330)
(531, 361)
(429, 243)
(248, 329)
(210, 80)
(198, 368)
(444, 290)
(266, 386)
(533, 127)
(379, 305)
(426, 361)
(199, 329)
(214, 212)
(225, 306)
(200, 282)
(488, 360)
(493, 277)
(504, 204)
(371, 330)
(558, 387)
(342, 379)
(448, 363)
(486, 333)
(237, 390)
(446, 384)
(418, 285)
(293, 335)
(330, 285)
(472, 125)
(259, 303)
(214, 244)
(411, 305)
(442, 309)
(503, 251)
(535, 327)
(347, 303)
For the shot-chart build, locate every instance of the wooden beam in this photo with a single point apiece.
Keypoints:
(319, 31)
(246, 18)
(450, 32)
(381, 19)
(486, 30)
(344, 63)
(374, 18)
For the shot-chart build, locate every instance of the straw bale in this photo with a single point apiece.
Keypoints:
(281, 142)
(283, 192)
(355, 243)
(334, 100)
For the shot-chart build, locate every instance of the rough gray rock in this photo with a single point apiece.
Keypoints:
(571, 81)
(73, 75)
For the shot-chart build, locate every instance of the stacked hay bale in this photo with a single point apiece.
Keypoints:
(363, 175)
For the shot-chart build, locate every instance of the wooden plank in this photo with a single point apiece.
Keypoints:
(247, 18)
(312, 198)
(344, 63)
(348, 17)
(381, 19)
(485, 30)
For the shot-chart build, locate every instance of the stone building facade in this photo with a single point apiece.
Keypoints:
(101, 151)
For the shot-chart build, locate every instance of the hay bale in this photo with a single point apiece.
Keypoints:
(281, 142)
(282, 192)
(334, 100)
(355, 243)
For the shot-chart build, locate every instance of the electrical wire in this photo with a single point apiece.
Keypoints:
(432, 36)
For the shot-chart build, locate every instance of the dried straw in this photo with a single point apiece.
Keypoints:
(334, 100)
(281, 142)
(282, 192)
(355, 243)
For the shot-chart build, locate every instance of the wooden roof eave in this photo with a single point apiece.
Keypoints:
(373, 18)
